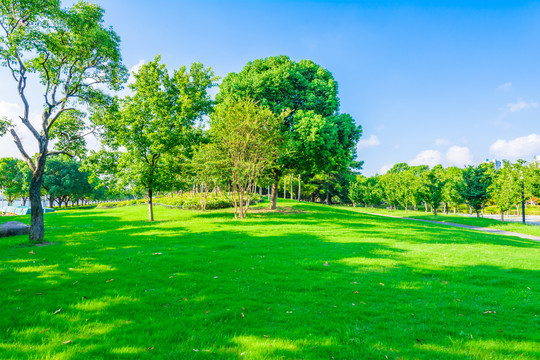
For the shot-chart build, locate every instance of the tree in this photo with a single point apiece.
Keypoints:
(10, 179)
(357, 190)
(433, 185)
(73, 55)
(506, 188)
(474, 187)
(64, 181)
(247, 139)
(317, 138)
(156, 122)
(450, 191)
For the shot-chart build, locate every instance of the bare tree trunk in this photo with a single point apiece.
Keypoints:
(426, 206)
(284, 186)
(37, 226)
(150, 207)
(502, 216)
(274, 192)
(241, 212)
(327, 200)
(299, 187)
(292, 191)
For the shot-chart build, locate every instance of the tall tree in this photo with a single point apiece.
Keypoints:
(247, 138)
(433, 185)
(156, 122)
(506, 188)
(74, 56)
(474, 188)
(313, 128)
(450, 190)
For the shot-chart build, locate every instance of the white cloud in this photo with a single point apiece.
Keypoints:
(521, 105)
(133, 70)
(520, 147)
(10, 110)
(459, 156)
(384, 169)
(427, 157)
(442, 142)
(372, 141)
(505, 87)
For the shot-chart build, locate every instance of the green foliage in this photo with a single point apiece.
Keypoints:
(433, 183)
(64, 181)
(506, 187)
(316, 137)
(12, 178)
(474, 189)
(245, 141)
(155, 124)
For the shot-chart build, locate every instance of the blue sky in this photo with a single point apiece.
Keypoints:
(451, 82)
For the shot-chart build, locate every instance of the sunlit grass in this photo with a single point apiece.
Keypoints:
(458, 219)
(307, 281)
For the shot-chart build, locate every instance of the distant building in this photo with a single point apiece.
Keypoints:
(496, 164)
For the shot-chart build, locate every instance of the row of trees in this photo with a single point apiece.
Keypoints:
(475, 186)
(273, 118)
(64, 182)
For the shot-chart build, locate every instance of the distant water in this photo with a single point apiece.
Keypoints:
(20, 203)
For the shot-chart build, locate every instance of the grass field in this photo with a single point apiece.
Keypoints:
(305, 282)
(458, 219)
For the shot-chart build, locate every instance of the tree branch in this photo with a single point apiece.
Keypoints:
(18, 142)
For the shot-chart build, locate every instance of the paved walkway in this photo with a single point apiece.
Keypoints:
(471, 227)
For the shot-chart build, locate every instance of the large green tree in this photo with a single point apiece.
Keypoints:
(246, 137)
(74, 57)
(474, 188)
(11, 179)
(316, 137)
(433, 187)
(506, 188)
(155, 123)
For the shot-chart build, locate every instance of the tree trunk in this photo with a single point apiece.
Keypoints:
(327, 200)
(150, 208)
(426, 206)
(284, 186)
(299, 187)
(37, 226)
(274, 193)
(292, 191)
(502, 216)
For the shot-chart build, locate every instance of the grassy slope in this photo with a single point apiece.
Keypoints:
(459, 219)
(259, 289)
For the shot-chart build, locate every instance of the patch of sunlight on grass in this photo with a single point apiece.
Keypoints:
(255, 345)
(93, 268)
(408, 286)
(102, 303)
(498, 349)
(127, 350)
(17, 261)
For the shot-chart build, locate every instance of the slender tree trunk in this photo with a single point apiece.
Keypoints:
(426, 206)
(37, 226)
(299, 187)
(150, 207)
(292, 182)
(274, 192)
(327, 200)
(284, 186)
(455, 210)
(502, 215)
(241, 210)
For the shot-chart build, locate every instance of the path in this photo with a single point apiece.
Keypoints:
(471, 227)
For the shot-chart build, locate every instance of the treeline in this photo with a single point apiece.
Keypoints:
(64, 182)
(446, 189)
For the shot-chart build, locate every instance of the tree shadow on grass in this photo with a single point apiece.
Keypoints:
(242, 289)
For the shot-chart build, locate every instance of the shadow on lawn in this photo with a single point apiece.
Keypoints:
(235, 291)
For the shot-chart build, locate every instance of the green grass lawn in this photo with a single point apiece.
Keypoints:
(458, 219)
(199, 285)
